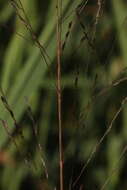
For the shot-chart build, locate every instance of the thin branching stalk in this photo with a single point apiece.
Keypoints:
(25, 20)
(124, 101)
(78, 10)
(34, 131)
(5, 125)
(99, 3)
(59, 47)
(114, 170)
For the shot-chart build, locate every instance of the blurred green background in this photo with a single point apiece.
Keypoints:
(94, 71)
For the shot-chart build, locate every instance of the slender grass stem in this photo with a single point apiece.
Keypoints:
(59, 30)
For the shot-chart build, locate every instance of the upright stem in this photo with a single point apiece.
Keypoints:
(59, 11)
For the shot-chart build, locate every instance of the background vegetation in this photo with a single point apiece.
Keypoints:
(94, 79)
